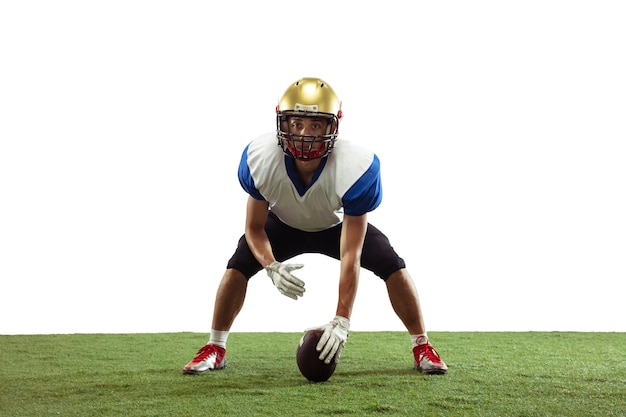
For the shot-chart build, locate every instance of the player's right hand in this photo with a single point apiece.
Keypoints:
(282, 278)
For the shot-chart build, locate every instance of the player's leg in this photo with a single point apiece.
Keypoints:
(379, 257)
(232, 289)
(243, 265)
(405, 301)
(229, 299)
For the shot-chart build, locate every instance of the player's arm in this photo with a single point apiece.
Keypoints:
(256, 216)
(351, 245)
(258, 242)
(335, 333)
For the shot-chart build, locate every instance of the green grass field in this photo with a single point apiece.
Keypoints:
(491, 374)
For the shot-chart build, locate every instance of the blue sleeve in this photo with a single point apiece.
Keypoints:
(366, 194)
(245, 177)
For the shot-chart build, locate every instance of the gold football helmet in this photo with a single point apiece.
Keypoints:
(314, 98)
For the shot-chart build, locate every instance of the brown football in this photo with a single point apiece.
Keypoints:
(307, 357)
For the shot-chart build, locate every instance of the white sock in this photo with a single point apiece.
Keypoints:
(218, 338)
(419, 339)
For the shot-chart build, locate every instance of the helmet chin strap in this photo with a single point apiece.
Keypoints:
(312, 154)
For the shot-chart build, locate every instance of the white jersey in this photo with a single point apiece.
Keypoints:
(347, 181)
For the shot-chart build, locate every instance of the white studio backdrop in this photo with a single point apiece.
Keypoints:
(499, 125)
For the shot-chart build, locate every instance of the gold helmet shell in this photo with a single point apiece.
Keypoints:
(308, 97)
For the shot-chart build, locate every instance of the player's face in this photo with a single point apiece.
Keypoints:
(304, 131)
(307, 126)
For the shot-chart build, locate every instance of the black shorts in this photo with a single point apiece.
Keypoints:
(377, 256)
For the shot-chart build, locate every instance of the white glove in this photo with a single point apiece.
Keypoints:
(286, 283)
(334, 339)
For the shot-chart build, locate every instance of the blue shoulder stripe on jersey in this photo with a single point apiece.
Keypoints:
(366, 194)
(245, 177)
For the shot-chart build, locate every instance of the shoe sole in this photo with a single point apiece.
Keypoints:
(436, 371)
(194, 372)
(433, 371)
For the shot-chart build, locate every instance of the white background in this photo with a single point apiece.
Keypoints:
(500, 127)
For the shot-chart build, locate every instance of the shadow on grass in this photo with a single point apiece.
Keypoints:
(235, 379)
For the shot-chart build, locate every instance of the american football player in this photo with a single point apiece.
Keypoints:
(310, 192)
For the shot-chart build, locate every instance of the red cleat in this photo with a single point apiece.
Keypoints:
(427, 360)
(208, 358)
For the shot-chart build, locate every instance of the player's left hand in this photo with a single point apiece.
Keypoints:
(334, 338)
